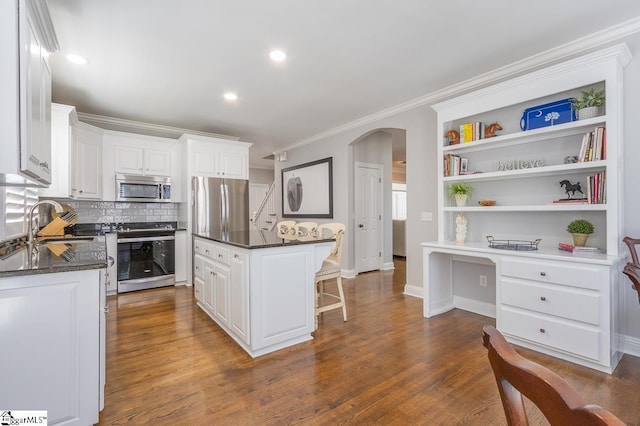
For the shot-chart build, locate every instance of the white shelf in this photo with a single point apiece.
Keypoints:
(529, 208)
(529, 136)
(560, 169)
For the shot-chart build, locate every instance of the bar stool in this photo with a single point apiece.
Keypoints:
(331, 268)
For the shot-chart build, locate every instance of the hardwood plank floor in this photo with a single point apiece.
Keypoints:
(168, 363)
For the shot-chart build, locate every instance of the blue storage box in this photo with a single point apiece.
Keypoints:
(557, 112)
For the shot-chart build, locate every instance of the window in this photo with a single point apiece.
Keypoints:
(399, 201)
(17, 202)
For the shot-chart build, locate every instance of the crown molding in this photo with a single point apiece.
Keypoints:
(564, 51)
(120, 124)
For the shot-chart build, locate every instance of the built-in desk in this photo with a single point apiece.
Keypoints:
(558, 303)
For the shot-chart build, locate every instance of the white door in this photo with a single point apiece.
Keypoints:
(368, 224)
(257, 192)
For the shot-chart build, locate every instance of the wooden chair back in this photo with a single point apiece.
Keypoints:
(632, 269)
(557, 400)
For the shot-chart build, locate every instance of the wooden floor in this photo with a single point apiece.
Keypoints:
(168, 363)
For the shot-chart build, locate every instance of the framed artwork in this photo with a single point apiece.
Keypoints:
(464, 163)
(307, 190)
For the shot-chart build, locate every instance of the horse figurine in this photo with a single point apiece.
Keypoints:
(490, 130)
(454, 137)
(571, 187)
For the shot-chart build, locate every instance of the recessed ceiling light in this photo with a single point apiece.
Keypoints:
(76, 59)
(230, 96)
(277, 55)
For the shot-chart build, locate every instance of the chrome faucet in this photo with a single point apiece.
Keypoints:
(30, 232)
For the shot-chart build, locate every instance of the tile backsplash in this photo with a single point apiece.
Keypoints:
(122, 212)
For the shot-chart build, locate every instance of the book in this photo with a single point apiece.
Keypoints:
(577, 249)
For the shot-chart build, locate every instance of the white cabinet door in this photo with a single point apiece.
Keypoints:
(181, 256)
(112, 266)
(157, 162)
(35, 140)
(199, 289)
(205, 163)
(233, 164)
(87, 164)
(239, 296)
(221, 293)
(54, 343)
(62, 117)
(128, 160)
(209, 280)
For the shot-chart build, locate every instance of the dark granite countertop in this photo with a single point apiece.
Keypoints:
(53, 258)
(259, 239)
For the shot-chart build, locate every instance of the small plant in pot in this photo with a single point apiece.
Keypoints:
(580, 229)
(461, 192)
(588, 103)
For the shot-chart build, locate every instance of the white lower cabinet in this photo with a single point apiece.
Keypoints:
(557, 304)
(111, 239)
(51, 335)
(246, 292)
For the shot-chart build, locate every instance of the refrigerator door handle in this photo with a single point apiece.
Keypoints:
(223, 209)
(226, 203)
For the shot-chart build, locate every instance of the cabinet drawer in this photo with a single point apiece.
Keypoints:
(573, 274)
(198, 267)
(222, 255)
(578, 339)
(561, 301)
(204, 248)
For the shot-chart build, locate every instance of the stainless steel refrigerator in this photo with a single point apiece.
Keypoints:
(220, 207)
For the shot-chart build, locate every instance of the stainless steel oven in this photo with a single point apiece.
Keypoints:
(146, 258)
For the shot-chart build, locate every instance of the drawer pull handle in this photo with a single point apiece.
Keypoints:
(543, 274)
(219, 255)
(543, 298)
(542, 330)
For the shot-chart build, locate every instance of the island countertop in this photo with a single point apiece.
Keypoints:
(259, 239)
(52, 258)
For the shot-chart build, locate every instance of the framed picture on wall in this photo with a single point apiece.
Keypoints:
(307, 190)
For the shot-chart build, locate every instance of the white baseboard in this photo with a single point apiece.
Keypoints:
(348, 273)
(388, 266)
(413, 290)
(475, 306)
(629, 345)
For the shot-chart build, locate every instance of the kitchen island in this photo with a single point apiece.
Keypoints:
(259, 287)
(52, 328)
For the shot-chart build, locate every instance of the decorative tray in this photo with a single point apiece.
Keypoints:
(521, 245)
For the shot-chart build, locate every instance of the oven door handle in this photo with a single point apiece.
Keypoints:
(141, 239)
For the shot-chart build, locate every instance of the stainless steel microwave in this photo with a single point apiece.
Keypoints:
(149, 189)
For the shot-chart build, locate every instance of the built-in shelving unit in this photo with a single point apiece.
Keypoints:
(563, 304)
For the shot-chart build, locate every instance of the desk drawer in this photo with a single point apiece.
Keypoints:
(561, 301)
(573, 274)
(578, 339)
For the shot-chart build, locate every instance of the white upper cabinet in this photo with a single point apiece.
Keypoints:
(27, 40)
(136, 160)
(63, 117)
(133, 154)
(87, 164)
(215, 157)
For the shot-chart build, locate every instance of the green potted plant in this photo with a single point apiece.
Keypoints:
(461, 192)
(580, 229)
(588, 103)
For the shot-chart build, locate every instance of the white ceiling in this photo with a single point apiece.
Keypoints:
(169, 62)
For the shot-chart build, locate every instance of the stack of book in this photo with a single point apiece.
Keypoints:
(470, 132)
(454, 165)
(576, 249)
(594, 146)
(597, 188)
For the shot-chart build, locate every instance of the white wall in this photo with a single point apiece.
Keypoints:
(420, 126)
(264, 176)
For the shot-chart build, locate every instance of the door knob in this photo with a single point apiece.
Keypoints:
(360, 225)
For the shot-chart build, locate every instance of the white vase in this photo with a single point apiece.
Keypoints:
(588, 112)
(461, 200)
